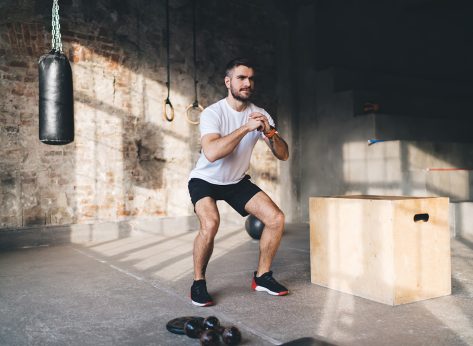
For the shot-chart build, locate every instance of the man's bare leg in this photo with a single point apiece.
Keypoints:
(262, 206)
(209, 217)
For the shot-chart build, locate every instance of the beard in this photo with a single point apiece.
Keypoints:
(239, 95)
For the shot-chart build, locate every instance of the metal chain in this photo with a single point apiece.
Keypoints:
(56, 28)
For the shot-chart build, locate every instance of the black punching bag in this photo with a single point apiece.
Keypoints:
(56, 104)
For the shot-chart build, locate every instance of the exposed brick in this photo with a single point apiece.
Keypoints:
(11, 129)
(8, 182)
(29, 181)
(33, 219)
(17, 63)
(29, 79)
(13, 78)
(90, 211)
(26, 32)
(54, 153)
(118, 90)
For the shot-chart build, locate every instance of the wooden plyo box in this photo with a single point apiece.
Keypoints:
(392, 250)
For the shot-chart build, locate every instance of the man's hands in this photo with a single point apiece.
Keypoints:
(258, 121)
(278, 146)
(216, 147)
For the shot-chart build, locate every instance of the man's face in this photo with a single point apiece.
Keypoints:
(240, 82)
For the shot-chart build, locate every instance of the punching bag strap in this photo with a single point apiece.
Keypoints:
(56, 29)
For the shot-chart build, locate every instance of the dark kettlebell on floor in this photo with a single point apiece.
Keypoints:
(231, 336)
(254, 227)
(209, 331)
(211, 322)
(210, 337)
(193, 329)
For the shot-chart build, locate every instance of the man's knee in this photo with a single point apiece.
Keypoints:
(209, 227)
(275, 219)
(211, 223)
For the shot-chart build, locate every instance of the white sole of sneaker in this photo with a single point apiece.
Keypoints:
(264, 289)
(202, 304)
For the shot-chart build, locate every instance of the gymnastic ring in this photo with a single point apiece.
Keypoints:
(165, 115)
(194, 105)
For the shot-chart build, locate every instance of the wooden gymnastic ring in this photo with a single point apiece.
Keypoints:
(165, 115)
(194, 105)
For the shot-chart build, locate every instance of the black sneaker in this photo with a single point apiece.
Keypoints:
(266, 283)
(199, 294)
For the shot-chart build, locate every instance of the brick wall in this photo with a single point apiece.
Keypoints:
(126, 161)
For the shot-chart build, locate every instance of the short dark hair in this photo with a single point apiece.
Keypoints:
(238, 62)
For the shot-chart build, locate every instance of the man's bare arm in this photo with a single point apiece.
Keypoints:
(278, 146)
(216, 147)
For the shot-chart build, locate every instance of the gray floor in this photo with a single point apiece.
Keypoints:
(123, 288)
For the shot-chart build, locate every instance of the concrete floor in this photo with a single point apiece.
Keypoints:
(120, 285)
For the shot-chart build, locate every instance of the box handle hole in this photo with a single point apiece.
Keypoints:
(421, 217)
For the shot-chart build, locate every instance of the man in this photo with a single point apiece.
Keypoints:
(229, 130)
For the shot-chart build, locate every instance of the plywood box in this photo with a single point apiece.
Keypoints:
(392, 250)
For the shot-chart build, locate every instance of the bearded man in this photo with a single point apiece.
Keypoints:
(229, 131)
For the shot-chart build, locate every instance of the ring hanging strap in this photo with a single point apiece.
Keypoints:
(194, 48)
(167, 101)
(195, 104)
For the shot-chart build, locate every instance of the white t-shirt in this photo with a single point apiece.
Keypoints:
(221, 118)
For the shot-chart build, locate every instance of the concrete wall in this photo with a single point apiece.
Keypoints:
(347, 53)
(126, 161)
(336, 158)
(421, 38)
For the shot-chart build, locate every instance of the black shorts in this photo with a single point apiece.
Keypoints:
(237, 195)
